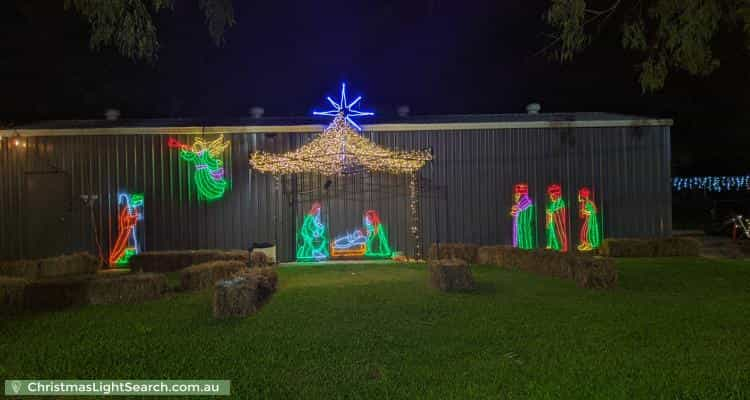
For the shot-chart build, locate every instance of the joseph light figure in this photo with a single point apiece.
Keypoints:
(312, 238)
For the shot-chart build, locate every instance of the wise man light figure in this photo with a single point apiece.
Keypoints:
(557, 217)
(312, 239)
(377, 237)
(590, 236)
(523, 217)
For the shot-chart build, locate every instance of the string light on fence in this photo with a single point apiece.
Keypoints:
(711, 183)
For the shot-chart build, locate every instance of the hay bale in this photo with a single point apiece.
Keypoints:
(595, 273)
(487, 255)
(656, 247)
(678, 247)
(126, 288)
(70, 265)
(56, 293)
(259, 259)
(245, 293)
(267, 279)
(628, 248)
(53, 267)
(28, 269)
(451, 275)
(169, 261)
(11, 294)
(586, 270)
(463, 251)
(201, 276)
(235, 297)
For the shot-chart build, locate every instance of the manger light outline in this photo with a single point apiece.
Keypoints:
(342, 107)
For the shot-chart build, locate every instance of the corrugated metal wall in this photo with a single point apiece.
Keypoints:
(467, 195)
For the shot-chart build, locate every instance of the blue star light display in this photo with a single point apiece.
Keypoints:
(346, 108)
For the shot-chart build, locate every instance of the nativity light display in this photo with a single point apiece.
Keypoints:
(590, 237)
(209, 166)
(341, 150)
(523, 217)
(557, 220)
(126, 245)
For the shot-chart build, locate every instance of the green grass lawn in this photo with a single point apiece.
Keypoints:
(676, 329)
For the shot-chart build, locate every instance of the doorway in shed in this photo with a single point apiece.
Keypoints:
(47, 213)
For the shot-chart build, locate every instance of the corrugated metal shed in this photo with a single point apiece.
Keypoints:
(466, 197)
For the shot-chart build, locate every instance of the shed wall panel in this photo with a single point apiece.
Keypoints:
(466, 194)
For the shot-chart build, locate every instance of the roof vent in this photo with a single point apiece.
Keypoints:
(403, 111)
(533, 108)
(112, 114)
(257, 112)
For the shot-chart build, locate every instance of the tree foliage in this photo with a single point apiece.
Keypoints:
(668, 34)
(128, 25)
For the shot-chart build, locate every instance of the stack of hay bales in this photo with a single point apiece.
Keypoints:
(71, 280)
(244, 293)
(204, 275)
(169, 261)
(658, 247)
(586, 270)
(56, 293)
(53, 267)
(463, 251)
(452, 274)
(126, 288)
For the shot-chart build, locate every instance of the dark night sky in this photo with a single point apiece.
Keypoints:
(436, 56)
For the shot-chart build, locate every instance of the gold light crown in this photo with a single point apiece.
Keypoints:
(337, 150)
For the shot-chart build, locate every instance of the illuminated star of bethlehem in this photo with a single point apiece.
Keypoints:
(342, 107)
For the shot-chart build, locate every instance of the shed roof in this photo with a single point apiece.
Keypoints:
(315, 124)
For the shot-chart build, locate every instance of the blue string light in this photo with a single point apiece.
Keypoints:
(711, 183)
(346, 108)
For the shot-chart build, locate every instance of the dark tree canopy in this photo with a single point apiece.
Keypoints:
(668, 35)
(128, 25)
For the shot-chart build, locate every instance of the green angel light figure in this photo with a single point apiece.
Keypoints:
(209, 167)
